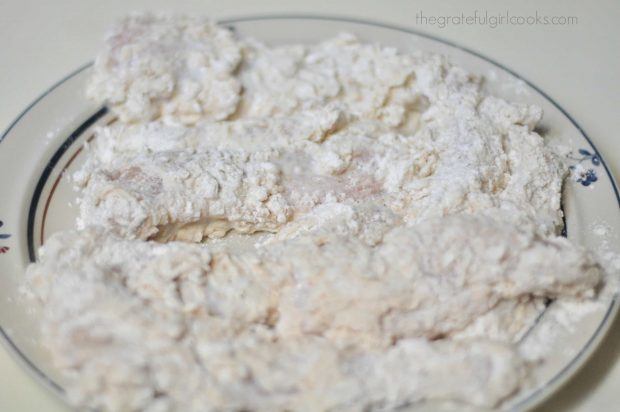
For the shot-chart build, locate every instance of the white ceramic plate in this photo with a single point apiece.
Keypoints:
(47, 138)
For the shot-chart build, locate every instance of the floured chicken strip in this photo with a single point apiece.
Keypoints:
(179, 68)
(321, 322)
(183, 70)
(486, 157)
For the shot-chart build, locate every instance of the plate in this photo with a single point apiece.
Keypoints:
(46, 140)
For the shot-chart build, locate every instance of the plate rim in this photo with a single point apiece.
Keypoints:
(537, 397)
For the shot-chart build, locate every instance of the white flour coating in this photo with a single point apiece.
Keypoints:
(322, 322)
(378, 230)
(178, 68)
(179, 195)
(509, 321)
(605, 252)
(568, 317)
(372, 81)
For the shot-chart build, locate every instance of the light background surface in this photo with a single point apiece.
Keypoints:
(577, 65)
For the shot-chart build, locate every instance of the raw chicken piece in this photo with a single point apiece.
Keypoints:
(319, 322)
(326, 157)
